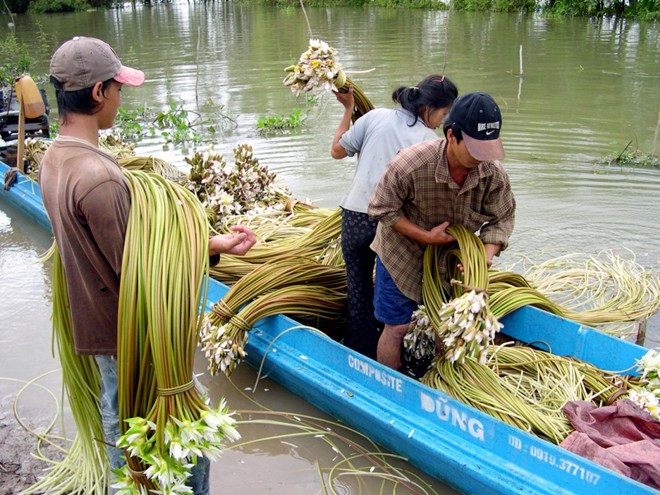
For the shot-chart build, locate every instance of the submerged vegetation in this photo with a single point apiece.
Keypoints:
(176, 125)
(629, 157)
(293, 120)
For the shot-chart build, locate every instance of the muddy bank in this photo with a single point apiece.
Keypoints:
(19, 468)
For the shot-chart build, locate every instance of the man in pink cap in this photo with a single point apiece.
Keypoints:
(425, 188)
(88, 201)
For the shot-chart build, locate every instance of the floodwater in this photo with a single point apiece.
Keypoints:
(589, 87)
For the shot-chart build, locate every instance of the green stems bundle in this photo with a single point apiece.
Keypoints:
(273, 274)
(312, 244)
(524, 387)
(166, 425)
(277, 225)
(152, 164)
(224, 346)
(464, 325)
(84, 469)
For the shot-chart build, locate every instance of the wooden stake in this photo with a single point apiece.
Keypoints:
(20, 149)
(641, 332)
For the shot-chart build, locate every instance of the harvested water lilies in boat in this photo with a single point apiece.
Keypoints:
(319, 69)
(116, 146)
(34, 152)
(648, 396)
(110, 143)
(603, 292)
(233, 189)
(525, 387)
(224, 346)
(319, 243)
(274, 274)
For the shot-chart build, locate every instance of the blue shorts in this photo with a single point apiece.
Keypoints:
(390, 305)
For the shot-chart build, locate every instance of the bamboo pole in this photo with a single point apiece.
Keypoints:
(20, 153)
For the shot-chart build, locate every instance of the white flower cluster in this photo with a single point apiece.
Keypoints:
(231, 190)
(647, 400)
(221, 346)
(467, 327)
(184, 440)
(420, 339)
(317, 68)
(649, 397)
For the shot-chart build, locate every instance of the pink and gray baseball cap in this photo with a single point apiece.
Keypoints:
(81, 62)
(480, 121)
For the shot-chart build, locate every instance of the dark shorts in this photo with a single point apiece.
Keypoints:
(390, 305)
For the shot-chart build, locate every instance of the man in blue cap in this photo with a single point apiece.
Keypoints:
(426, 188)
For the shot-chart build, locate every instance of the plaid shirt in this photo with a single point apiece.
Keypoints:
(417, 185)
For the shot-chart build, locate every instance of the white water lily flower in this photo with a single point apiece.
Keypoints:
(649, 364)
(646, 400)
(178, 450)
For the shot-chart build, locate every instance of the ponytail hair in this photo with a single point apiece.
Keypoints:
(433, 92)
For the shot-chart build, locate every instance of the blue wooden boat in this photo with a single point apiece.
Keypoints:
(468, 450)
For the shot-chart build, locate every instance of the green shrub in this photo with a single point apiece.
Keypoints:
(53, 6)
(15, 58)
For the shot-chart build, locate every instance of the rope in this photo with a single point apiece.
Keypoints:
(164, 392)
(240, 323)
(222, 309)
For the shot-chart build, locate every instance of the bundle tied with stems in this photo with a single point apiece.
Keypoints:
(464, 325)
(318, 68)
(296, 286)
(165, 424)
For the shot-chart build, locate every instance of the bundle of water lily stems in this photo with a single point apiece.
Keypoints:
(319, 242)
(123, 152)
(318, 68)
(166, 425)
(84, 470)
(296, 286)
(465, 324)
(521, 386)
(524, 387)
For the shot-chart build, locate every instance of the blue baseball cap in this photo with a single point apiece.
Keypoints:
(480, 121)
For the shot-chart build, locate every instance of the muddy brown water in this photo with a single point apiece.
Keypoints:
(589, 87)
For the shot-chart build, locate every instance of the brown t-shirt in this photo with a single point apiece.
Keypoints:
(88, 200)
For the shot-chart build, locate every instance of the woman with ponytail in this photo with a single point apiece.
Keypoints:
(376, 137)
